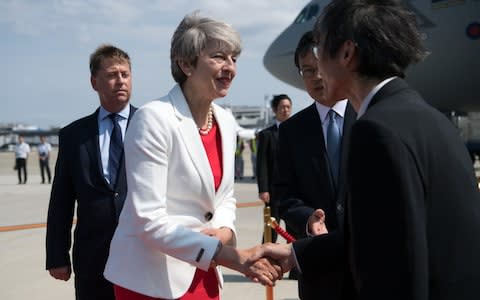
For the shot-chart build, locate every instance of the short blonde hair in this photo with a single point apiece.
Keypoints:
(107, 51)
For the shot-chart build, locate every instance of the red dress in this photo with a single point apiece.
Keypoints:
(205, 284)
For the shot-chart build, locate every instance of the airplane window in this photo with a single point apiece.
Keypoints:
(307, 13)
(301, 16)
(313, 12)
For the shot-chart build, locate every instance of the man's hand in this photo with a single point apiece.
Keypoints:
(61, 273)
(250, 263)
(282, 254)
(316, 223)
(265, 197)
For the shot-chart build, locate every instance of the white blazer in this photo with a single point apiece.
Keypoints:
(171, 197)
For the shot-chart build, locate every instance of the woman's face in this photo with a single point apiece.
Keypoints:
(214, 72)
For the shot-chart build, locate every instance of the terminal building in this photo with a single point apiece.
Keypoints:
(9, 134)
(248, 117)
(252, 117)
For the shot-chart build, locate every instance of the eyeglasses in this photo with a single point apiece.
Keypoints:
(316, 51)
(308, 73)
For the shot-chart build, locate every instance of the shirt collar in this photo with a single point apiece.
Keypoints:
(368, 99)
(124, 113)
(339, 108)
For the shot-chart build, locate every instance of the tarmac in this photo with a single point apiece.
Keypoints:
(22, 238)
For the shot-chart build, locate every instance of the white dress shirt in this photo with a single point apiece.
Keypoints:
(44, 149)
(22, 150)
(105, 127)
(323, 110)
(368, 99)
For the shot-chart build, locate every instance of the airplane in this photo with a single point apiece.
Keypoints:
(448, 78)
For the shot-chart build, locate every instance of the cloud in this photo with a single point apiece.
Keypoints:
(143, 20)
(49, 41)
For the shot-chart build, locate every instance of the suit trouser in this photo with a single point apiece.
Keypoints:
(21, 165)
(93, 288)
(44, 167)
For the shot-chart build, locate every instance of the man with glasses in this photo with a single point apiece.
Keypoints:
(311, 152)
(413, 206)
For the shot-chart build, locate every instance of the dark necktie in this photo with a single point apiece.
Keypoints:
(115, 150)
(333, 144)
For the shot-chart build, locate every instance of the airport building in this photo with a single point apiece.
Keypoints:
(9, 134)
(252, 116)
(249, 117)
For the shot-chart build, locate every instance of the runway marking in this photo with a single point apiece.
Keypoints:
(250, 204)
(41, 225)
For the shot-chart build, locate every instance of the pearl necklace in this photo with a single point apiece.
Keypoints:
(209, 122)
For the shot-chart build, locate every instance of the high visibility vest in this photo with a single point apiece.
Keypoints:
(253, 145)
(239, 149)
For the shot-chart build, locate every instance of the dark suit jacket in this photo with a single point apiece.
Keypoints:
(413, 207)
(79, 178)
(305, 183)
(266, 160)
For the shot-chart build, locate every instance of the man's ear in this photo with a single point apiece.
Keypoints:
(93, 82)
(348, 53)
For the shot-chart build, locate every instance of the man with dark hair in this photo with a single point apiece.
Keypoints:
(44, 149)
(310, 176)
(90, 172)
(267, 167)
(413, 208)
(22, 150)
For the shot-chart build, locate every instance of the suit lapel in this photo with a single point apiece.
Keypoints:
(316, 141)
(350, 118)
(93, 149)
(191, 139)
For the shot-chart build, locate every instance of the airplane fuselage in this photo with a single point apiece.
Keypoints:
(448, 78)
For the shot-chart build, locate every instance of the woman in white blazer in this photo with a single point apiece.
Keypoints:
(178, 218)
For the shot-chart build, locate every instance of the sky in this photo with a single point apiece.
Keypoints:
(46, 46)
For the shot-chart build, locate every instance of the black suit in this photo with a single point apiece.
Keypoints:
(267, 168)
(413, 207)
(305, 183)
(79, 178)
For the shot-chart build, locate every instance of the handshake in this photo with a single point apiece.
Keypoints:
(266, 263)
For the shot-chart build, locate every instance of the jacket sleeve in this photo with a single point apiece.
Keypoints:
(60, 208)
(262, 161)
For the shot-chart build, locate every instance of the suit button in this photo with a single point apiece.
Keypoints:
(339, 207)
(115, 195)
(208, 216)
